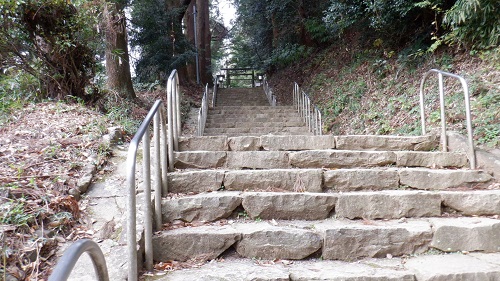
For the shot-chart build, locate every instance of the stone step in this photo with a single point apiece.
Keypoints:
(260, 134)
(256, 130)
(456, 266)
(316, 159)
(321, 180)
(230, 116)
(333, 239)
(213, 206)
(282, 123)
(235, 102)
(221, 119)
(233, 109)
(273, 142)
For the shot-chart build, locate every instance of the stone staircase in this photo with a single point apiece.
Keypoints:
(298, 207)
(246, 112)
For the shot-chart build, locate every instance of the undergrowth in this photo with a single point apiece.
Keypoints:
(376, 91)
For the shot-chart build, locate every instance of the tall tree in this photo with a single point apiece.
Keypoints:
(117, 54)
(53, 41)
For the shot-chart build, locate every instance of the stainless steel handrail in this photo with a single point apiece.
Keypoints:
(214, 94)
(307, 110)
(465, 87)
(173, 116)
(73, 253)
(202, 114)
(269, 92)
(156, 114)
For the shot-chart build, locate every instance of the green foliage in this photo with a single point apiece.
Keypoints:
(13, 213)
(288, 54)
(385, 16)
(53, 41)
(159, 38)
(474, 22)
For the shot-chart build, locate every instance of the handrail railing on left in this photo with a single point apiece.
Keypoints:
(174, 116)
(202, 114)
(465, 88)
(156, 114)
(73, 253)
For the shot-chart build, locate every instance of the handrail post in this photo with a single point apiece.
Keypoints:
(444, 139)
(148, 224)
(157, 169)
(131, 212)
(465, 87)
(170, 131)
(72, 254)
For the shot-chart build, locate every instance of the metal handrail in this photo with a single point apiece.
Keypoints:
(174, 117)
(156, 114)
(214, 94)
(307, 110)
(269, 92)
(465, 87)
(72, 255)
(202, 113)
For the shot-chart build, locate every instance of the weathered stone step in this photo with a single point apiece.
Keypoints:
(396, 204)
(251, 109)
(273, 142)
(260, 134)
(229, 116)
(316, 159)
(334, 239)
(221, 119)
(320, 180)
(457, 266)
(282, 123)
(234, 102)
(256, 130)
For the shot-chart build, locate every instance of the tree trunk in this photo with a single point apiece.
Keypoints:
(204, 40)
(117, 55)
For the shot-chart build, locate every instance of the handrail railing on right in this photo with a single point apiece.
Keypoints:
(307, 110)
(269, 92)
(465, 87)
(68, 261)
(202, 114)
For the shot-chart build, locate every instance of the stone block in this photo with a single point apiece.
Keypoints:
(265, 241)
(342, 180)
(473, 203)
(291, 143)
(352, 241)
(201, 243)
(205, 143)
(288, 206)
(257, 160)
(200, 160)
(341, 159)
(431, 159)
(245, 143)
(428, 179)
(391, 204)
(385, 143)
(274, 180)
(195, 181)
(466, 234)
(202, 207)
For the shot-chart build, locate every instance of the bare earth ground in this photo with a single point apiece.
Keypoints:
(46, 150)
(43, 152)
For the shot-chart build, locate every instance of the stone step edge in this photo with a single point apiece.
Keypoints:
(327, 159)
(334, 239)
(456, 266)
(321, 180)
(273, 142)
(394, 204)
